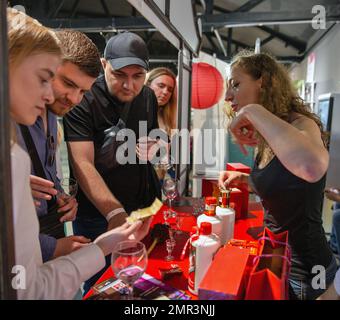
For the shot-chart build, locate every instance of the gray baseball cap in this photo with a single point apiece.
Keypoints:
(126, 49)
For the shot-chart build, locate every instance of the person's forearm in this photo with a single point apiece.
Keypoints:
(296, 151)
(95, 187)
(330, 294)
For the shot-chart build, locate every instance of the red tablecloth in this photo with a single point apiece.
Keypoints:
(247, 229)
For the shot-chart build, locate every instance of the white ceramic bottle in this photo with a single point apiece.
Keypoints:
(227, 217)
(202, 250)
(209, 215)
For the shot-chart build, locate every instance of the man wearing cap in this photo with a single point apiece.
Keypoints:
(107, 195)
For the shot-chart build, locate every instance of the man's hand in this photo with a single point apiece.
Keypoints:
(333, 194)
(117, 221)
(69, 244)
(42, 189)
(70, 209)
(146, 149)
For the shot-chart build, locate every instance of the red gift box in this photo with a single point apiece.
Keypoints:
(252, 246)
(225, 278)
(245, 193)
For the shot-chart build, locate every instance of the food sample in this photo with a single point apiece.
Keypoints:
(145, 213)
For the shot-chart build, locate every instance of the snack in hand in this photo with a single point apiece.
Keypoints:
(145, 213)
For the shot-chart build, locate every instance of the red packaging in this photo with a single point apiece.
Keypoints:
(225, 278)
(210, 188)
(237, 167)
(252, 246)
(236, 197)
(245, 193)
(268, 279)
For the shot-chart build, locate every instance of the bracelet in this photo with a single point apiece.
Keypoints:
(113, 213)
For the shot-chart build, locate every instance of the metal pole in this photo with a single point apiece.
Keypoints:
(7, 256)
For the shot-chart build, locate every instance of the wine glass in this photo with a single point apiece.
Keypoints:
(164, 161)
(198, 206)
(170, 245)
(68, 190)
(170, 191)
(129, 260)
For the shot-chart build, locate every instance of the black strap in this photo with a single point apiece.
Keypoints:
(32, 151)
(36, 162)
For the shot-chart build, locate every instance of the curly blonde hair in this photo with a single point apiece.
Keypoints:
(278, 94)
(168, 112)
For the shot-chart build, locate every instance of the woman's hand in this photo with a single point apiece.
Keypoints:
(142, 231)
(243, 131)
(107, 241)
(228, 179)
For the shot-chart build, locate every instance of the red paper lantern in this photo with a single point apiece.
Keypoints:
(207, 85)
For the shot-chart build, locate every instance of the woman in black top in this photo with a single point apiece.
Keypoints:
(290, 165)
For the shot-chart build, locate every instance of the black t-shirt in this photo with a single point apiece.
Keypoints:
(294, 204)
(86, 122)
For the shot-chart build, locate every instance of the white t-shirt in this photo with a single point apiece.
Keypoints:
(59, 278)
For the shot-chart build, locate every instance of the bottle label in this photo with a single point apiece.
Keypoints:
(192, 267)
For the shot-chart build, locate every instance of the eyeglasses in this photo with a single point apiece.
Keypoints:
(51, 149)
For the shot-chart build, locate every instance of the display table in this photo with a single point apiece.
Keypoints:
(249, 228)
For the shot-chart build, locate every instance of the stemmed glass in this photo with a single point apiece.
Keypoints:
(68, 191)
(164, 162)
(170, 191)
(170, 245)
(129, 260)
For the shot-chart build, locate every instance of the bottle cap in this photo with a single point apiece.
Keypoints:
(210, 200)
(205, 228)
(194, 230)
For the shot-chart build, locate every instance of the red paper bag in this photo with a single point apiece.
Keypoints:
(268, 279)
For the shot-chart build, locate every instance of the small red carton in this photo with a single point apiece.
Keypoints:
(245, 193)
(231, 166)
(225, 278)
(236, 197)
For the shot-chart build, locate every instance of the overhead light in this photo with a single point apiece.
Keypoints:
(258, 45)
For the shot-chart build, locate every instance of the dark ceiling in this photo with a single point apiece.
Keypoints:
(284, 26)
